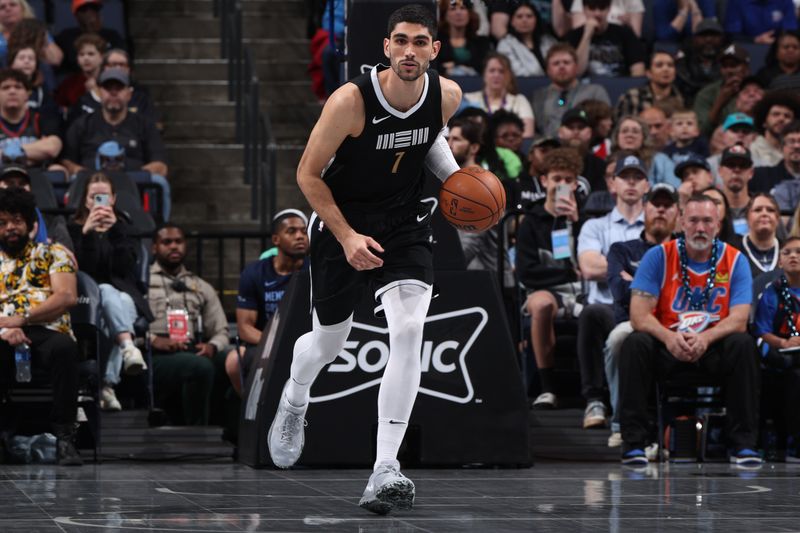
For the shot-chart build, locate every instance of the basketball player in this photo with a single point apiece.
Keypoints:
(362, 173)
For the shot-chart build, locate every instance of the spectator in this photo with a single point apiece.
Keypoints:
(39, 287)
(576, 132)
(760, 244)
(633, 134)
(527, 41)
(660, 218)
(606, 49)
(718, 345)
(506, 128)
(90, 48)
(87, 14)
(628, 13)
(737, 129)
(51, 228)
(545, 262)
(726, 233)
(776, 324)
(717, 99)
(189, 349)
(463, 51)
(749, 95)
(783, 58)
(37, 135)
(504, 163)
(12, 13)
(500, 92)
(138, 135)
(736, 171)
(675, 21)
(107, 253)
(660, 88)
(696, 64)
(24, 60)
(658, 125)
(564, 92)
(783, 179)
(685, 137)
(602, 121)
(772, 115)
(695, 175)
(261, 287)
(596, 320)
(464, 141)
(602, 202)
(528, 188)
(758, 20)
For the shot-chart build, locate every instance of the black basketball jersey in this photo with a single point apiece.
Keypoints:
(382, 168)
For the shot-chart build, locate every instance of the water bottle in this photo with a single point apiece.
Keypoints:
(22, 356)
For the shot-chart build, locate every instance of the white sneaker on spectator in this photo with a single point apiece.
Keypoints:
(615, 440)
(546, 400)
(132, 360)
(108, 399)
(595, 415)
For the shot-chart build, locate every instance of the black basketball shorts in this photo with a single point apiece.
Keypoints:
(336, 287)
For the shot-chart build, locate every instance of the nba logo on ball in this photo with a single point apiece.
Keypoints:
(472, 199)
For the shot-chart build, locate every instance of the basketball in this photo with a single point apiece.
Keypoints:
(472, 199)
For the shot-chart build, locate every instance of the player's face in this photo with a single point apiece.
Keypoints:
(701, 224)
(410, 49)
(292, 238)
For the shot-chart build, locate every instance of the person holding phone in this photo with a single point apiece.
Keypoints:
(106, 252)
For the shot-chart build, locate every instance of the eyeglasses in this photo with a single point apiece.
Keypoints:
(562, 98)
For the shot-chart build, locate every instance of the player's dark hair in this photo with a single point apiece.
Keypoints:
(413, 14)
(19, 202)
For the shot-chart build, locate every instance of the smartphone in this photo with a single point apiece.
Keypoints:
(563, 191)
(101, 199)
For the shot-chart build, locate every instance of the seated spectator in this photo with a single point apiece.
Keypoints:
(760, 244)
(726, 233)
(87, 14)
(660, 217)
(783, 179)
(90, 48)
(500, 92)
(50, 228)
(717, 99)
(545, 262)
(602, 121)
(107, 253)
(606, 49)
(506, 128)
(676, 21)
(660, 88)
(138, 136)
(749, 95)
(749, 20)
(738, 128)
(189, 335)
(528, 188)
(695, 175)
(719, 345)
(783, 58)
(504, 163)
(576, 132)
(39, 287)
(36, 134)
(633, 134)
(564, 92)
(527, 41)
(463, 51)
(736, 171)
(40, 99)
(602, 202)
(628, 13)
(696, 64)
(772, 115)
(776, 324)
(261, 287)
(658, 126)
(551, 14)
(623, 223)
(19, 11)
(685, 137)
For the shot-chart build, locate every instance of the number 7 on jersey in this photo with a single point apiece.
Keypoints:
(398, 156)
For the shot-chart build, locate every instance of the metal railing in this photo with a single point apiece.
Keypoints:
(253, 127)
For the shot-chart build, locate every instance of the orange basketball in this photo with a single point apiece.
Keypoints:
(472, 199)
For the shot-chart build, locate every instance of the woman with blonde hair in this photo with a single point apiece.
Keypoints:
(12, 12)
(633, 134)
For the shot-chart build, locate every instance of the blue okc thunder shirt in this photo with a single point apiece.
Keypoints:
(261, 289)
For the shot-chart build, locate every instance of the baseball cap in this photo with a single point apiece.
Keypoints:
(10, 171)
(709, 25)
(77, 4)
(115, 74)
(693, 160)
(737, 119)
(575, 114)
(286, 213)
(629, 161)
(734, 51)
(544, 140)
(736, 152)
(662, 189)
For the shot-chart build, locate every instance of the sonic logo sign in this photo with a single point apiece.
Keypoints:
(447, 341)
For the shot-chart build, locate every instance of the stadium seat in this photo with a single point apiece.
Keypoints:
(616, 87)
(39, 9)
(758, 54)
(42, 189)
(62, 16)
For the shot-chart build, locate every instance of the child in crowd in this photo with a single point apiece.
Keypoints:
(90, 47)
(686, 138)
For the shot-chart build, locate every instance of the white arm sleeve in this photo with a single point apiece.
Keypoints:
(440, 159)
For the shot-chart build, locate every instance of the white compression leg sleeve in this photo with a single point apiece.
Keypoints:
(312, 352)
(406, 307)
